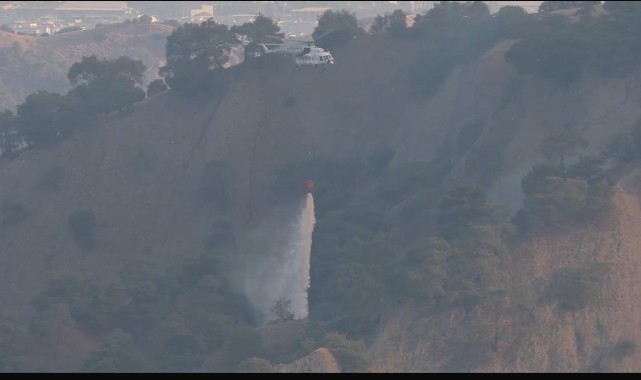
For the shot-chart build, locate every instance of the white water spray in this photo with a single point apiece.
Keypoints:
(282, 272)
(301, 255)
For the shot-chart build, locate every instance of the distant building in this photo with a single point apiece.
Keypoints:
(309, 13)
(201, 14)
(94, 10)
(88, 12)
(241, 18)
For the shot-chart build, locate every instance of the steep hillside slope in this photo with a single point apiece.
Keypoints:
(28, 64)
(525, 331)
(140, 172)
(134, 175)
(143, 169)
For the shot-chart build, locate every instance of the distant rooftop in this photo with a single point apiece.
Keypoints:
(36, 4)
(92, 6)
(311, 9)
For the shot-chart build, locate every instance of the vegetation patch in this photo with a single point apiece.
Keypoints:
(575, 289)
(623, 348)
(352, 355)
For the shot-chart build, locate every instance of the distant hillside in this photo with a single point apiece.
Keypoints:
(28, 64)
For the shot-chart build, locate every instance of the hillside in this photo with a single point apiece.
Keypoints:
(149, 178)
(29, 64)
(522, 332)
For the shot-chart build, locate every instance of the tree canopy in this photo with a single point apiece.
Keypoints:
(40, 117)
(91, 69)
(394, 24)
(195, 54)
(103, 86)
(262, 30)
(336, 28)
(563, 144)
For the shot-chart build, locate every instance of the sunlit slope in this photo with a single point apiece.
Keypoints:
(29, 64)
(526, 329)
(140, 172)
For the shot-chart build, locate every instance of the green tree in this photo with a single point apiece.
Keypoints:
(262, 30)
(462, 208)
(622, 7)
(556, 199)
(563, 144)
(510, 19)
(394, 24)
(534, 180)
(336, 28)
(182, 353)
(40, 118)
(427, 280)
(379, 25)
(551, 6)
(195, 54)
(156, 87)
(117, 354)
(93, 70)
(8, 133)
(398, 23)
(588, 168)
(102, 86)
(586, 8)
(282, 309)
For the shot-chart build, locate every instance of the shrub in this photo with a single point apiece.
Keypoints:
(623, 348)
(352, 355)
(117, 354)
(156, 87)
(574, 289)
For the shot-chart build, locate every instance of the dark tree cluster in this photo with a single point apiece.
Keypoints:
(100, 87)
(336, 28)
(560, 51)
(394, 24)
(262, 30)
(197, 54)
(558, 191)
